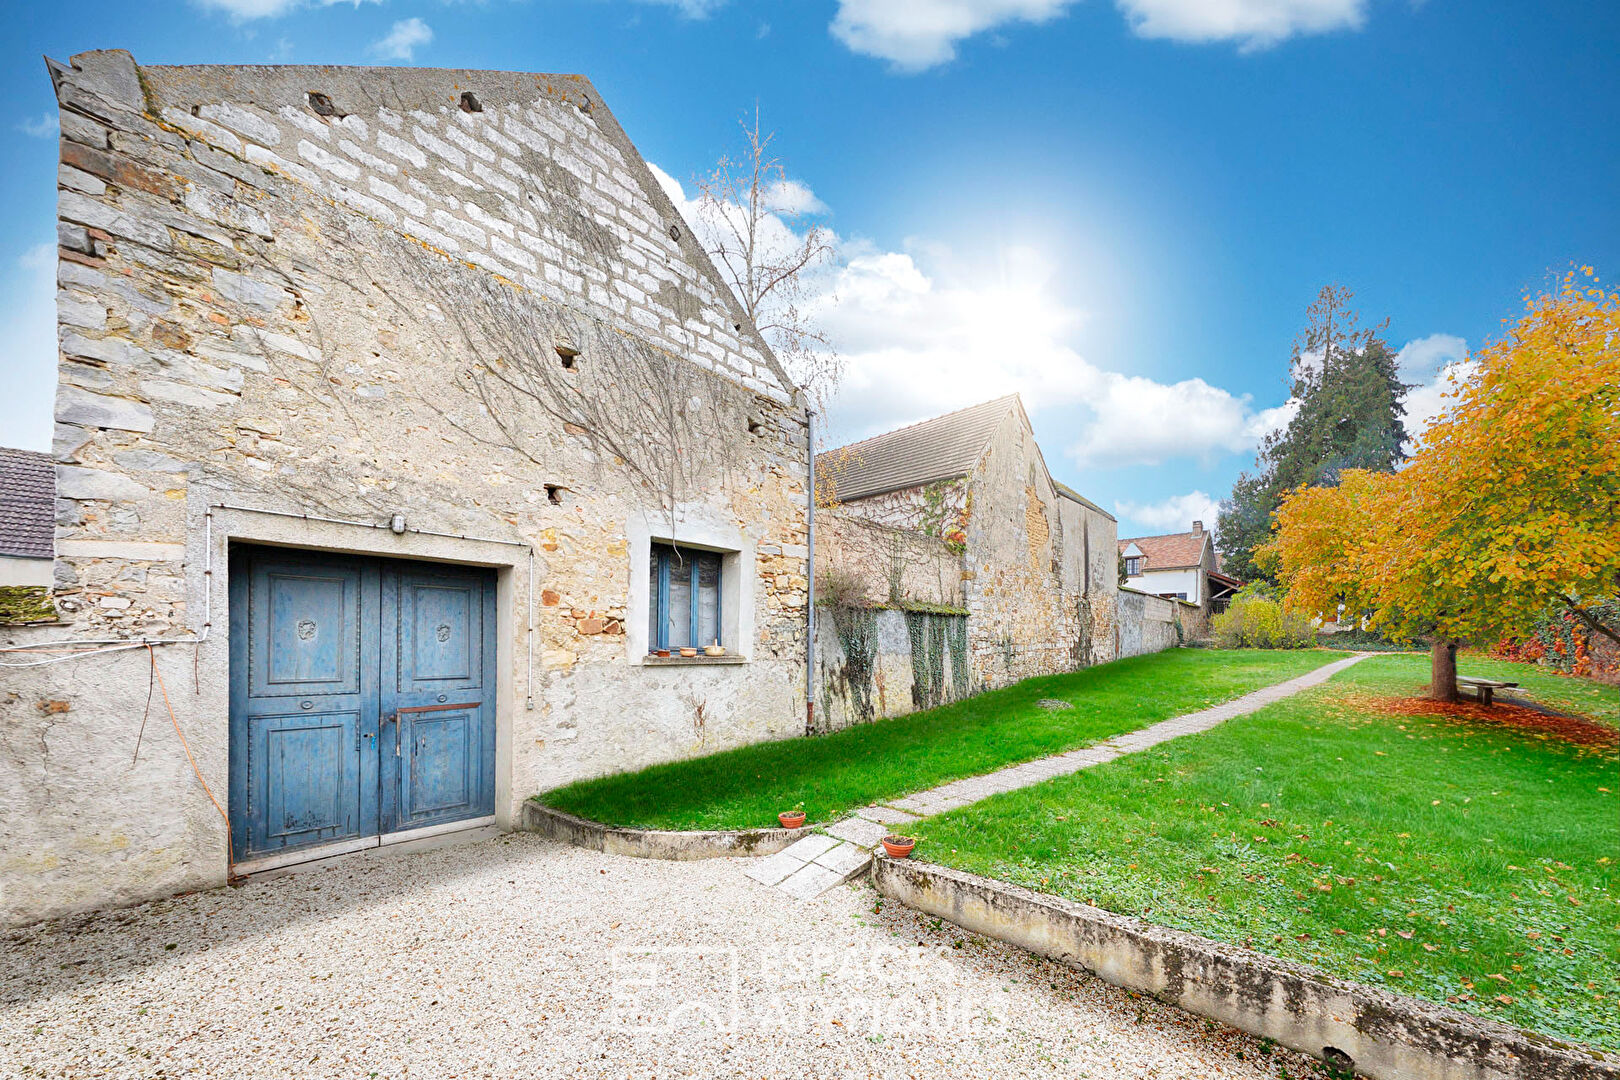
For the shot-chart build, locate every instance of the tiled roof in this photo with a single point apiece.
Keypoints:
(27, 504)
(1178, 551)
(939, 449)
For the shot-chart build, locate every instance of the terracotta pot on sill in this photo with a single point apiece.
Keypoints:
(898, 847)
(791, 819)
(663, 653)
(689, 652)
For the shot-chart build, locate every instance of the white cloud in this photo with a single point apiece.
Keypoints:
(1254, 23)
(691, 9)
(794, 198)
(1437, 364)
(44, 127)
(1173, 514)
(775, 236)
(1422, 357)
(28, 341)
(923, 332)
(244, 10)
(1143, 422)
(917, 34)
(402, 39)
(921, 337)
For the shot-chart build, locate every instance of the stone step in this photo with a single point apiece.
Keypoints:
(813, 865)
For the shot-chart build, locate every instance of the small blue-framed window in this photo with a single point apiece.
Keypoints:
(685, 592)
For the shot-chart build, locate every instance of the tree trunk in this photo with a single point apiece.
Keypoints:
(1443, 670)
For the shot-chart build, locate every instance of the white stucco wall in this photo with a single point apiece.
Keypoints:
(16, 571)
(1159, 582)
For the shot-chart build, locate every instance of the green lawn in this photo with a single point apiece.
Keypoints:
(833, 774)
(1460, 862)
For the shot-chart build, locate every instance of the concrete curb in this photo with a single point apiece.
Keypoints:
(652, 843)
(1379, 1034)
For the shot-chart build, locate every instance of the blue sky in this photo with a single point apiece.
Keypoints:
(1119, 208)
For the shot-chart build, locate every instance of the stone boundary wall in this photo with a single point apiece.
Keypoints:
(893, 648)
(653, 843)
(886, 563)
(1147, 624)
(1378, 1034)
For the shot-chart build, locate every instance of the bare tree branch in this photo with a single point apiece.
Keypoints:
(762, 241)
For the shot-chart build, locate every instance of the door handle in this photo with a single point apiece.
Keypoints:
(392, 718)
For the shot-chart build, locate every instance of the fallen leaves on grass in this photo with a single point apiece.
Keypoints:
(1520, 719)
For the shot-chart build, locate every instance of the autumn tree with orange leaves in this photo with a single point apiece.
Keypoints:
(1510, 504)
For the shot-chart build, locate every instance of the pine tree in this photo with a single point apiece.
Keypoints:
(1344, 378)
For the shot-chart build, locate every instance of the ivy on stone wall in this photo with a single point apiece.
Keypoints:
(958, 642)
(857, 636)
(927, 632)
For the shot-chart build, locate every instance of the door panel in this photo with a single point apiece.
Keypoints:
(311, 789)
(308, 638)
(303, 699)
(443, 763)
(439, 634)
(362, 697)
(439, 691)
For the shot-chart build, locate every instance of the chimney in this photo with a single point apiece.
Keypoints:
(1198, 528)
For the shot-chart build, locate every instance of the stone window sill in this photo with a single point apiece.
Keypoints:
(692, 661)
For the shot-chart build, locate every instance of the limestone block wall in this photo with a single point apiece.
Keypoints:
(354, 293)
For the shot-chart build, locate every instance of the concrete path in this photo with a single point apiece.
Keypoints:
(822, 860)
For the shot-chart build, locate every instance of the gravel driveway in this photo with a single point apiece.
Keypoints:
(518, 957)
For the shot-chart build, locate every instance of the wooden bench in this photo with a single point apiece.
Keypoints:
(1484, 689)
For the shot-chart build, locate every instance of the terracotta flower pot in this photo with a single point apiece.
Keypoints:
(664, 653)
(791, 819)
(898, 847)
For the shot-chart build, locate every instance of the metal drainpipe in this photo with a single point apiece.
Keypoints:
(810, 577)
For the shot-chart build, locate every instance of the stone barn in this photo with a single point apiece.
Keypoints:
(405, 437)
(956, 563)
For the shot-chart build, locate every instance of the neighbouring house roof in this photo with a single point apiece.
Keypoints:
(1068, 492)
(943, 448)
(1177, 551)
(27, 504)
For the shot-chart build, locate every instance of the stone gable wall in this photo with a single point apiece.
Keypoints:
(349, 307)
(1027, 568)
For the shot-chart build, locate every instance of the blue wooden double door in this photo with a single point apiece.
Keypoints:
(362, 697)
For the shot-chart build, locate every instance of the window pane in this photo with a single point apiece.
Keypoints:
(708, 598)
(680, 598)
(654, 611)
